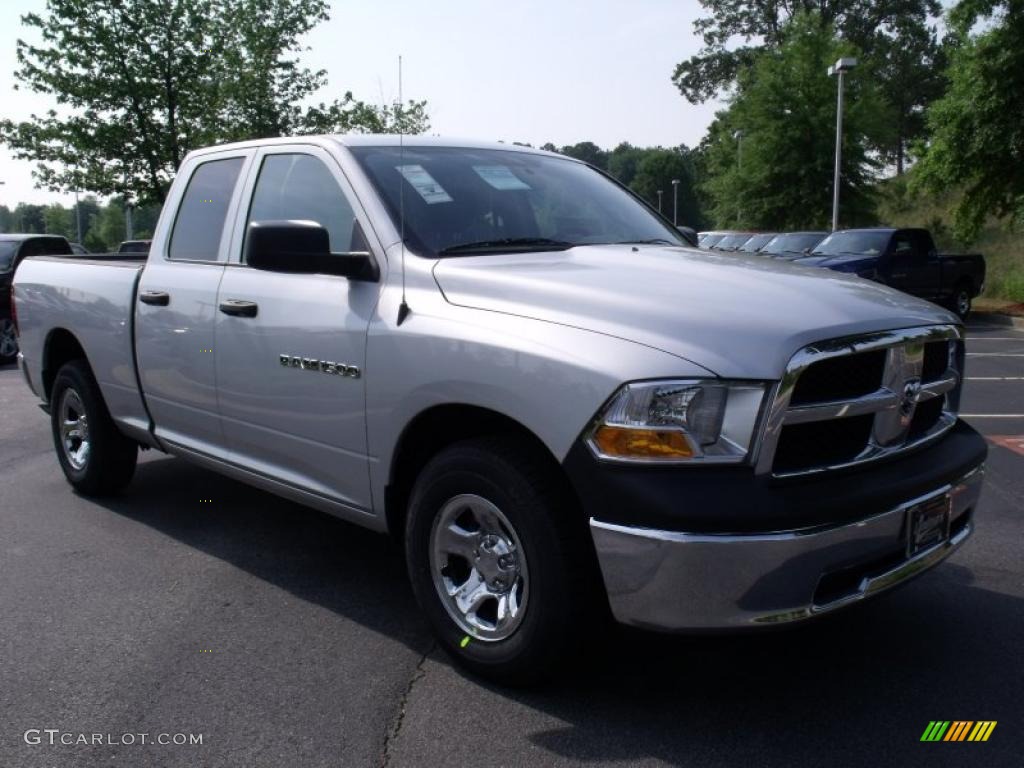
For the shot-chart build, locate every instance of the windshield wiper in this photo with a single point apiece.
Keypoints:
(508, 243)
(649, 241)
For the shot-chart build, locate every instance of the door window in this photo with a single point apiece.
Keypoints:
(203, 210)
(300, 187)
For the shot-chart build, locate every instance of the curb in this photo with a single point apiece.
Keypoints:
(995, 318)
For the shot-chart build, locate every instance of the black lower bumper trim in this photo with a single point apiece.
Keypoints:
(721, 499)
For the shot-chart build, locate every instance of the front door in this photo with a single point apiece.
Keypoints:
(285, 415)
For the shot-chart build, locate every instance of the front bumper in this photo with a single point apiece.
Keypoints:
(675, 581)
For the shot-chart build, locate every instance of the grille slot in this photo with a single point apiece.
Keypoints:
(822, 443)
(926, 416)
(936, 360)
(840, 378)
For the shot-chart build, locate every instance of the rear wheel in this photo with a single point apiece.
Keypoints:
(8, 340)
(96, 458)
(961, 301)
(495, 560)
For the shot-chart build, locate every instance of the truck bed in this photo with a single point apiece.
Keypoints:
(92, 300)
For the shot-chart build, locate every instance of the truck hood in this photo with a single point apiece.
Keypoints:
(735, 315)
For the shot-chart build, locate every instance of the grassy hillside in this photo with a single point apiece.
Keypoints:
(1003, 249)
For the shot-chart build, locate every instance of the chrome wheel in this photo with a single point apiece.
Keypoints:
(74, 430)
(8, 339)
(479, 568)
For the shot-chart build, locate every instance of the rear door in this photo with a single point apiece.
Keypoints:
(176, 304)
(286, 416)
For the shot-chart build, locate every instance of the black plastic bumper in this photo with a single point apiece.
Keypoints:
(734, 500)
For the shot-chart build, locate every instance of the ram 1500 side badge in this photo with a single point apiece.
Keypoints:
(324, 366)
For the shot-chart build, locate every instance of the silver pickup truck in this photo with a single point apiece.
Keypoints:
(518, 368)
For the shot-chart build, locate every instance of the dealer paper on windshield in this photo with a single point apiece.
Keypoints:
(424, 183)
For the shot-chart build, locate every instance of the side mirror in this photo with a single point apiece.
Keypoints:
(303, 247)
(689, 235)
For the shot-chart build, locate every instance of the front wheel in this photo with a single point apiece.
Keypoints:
(96, 458)
(496, 560)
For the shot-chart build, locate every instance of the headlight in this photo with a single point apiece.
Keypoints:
(678, 421)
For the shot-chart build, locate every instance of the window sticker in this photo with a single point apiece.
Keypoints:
(424, 183)
(500, 177)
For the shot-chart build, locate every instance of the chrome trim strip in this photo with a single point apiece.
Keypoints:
(905, 345)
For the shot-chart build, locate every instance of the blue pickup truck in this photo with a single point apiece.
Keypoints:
(906, 259)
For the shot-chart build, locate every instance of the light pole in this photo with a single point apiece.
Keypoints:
(840, 68)
(659, 201)
(78, 218)
(128, 228)
(675, 202)
(739, 168)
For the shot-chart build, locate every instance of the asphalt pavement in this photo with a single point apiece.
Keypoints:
(193, 606)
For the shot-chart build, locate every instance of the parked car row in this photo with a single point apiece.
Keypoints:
(906, 259)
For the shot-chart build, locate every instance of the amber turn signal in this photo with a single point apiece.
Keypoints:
(635, 443)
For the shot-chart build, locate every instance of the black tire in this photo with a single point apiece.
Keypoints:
(8, 339)
(561, 577)
(108, 463)
(960, 302)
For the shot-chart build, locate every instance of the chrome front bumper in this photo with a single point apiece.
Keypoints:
(681, 581)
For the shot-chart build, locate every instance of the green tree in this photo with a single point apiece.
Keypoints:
(977, 128)
(142, 83)
(588, 152)
(6, 219)
(769, 156)
(896, 40)
(58, 220)
(30, 218)
(624, 160)
(656, 171)
(108, 228)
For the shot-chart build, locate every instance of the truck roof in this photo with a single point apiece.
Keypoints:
(378, 140)
(20, 236)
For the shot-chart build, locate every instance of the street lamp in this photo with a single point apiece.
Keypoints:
(78, 218)
(840, 68)
(659, 201)
(739, 168)
(675, 202)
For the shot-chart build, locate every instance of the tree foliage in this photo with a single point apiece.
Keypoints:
(895, 38)
(140, 84)
(770, 155)
(977, 128)
(646, 170)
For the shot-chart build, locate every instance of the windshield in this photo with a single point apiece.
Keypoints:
(461, 201)
(756, 243)
(7, 250)
(792, 244)
(853, 244)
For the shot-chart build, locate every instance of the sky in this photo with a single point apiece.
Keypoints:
(533, 71)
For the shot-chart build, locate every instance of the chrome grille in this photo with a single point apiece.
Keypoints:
(847, 401)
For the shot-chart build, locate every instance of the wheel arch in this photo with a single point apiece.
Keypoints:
(434, 429)
(61, 347)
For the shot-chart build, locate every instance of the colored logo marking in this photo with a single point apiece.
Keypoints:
(958, 730)
(1013, 443)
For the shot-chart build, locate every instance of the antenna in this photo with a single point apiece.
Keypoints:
(403, 308)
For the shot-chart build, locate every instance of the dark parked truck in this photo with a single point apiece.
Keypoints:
(905, 259)
(14, 248)
(519, 369)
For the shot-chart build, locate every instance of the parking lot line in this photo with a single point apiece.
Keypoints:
(992, 415)
(995, 354)
(995, 378)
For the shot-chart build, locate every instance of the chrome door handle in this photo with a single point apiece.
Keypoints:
(239, 308)
(155, 298)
